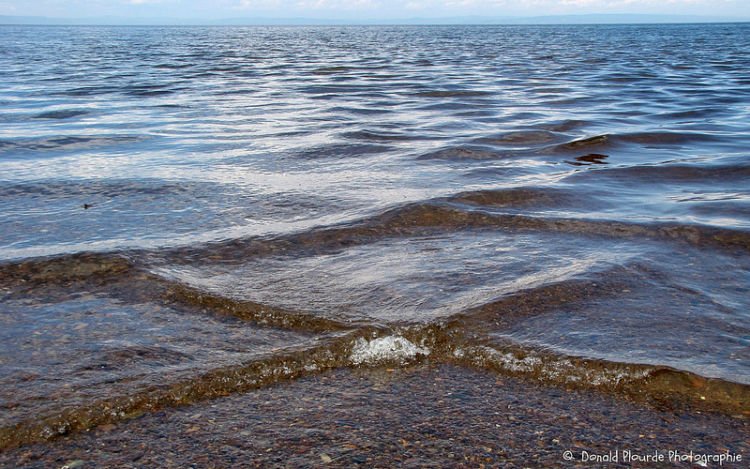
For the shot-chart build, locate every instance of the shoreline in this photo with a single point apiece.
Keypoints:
(418, 416)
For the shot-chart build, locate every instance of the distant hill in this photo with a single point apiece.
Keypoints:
(559, 19)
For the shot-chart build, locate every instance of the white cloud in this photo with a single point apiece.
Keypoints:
(373, 8)
(620, 3)
(258, 4)
(308, 4)
(149, 2)
(7, 9)
(336, 4)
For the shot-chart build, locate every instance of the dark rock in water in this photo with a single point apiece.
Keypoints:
(594, 158)
(590, 159)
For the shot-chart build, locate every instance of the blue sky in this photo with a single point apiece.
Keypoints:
(363, 9)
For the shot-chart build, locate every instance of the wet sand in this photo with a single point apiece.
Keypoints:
(418, 416)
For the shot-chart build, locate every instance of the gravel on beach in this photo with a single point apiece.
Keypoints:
(421, 416)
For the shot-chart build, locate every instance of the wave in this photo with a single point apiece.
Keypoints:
(99, 188)
(459, 339)
(370, 135)
(462, 153)
(260, 314)
(674, 173)
(452, 94)
(470, 210)
(411, 219)
(521, 198)
(598, 141)
(68, 142)
(661, 386)
(213, 384)
(544, 143)
(343, 150)
(341, 89)
(610, 141)
(332, 70)
(512, 308)
(61, 114)
(522, 137)
(66, 268)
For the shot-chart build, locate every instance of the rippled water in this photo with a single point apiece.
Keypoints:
(192, 211)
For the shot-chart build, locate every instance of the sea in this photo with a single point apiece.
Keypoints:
(193, 212)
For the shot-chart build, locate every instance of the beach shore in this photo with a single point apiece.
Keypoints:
(419, 416)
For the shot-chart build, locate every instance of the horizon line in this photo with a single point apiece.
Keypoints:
(584, 18)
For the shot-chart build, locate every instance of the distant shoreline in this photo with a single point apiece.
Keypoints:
(557, 20)
(348, 25)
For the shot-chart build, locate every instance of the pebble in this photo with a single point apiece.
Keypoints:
(74, 464)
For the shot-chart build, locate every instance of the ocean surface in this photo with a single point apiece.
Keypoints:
(190, 212)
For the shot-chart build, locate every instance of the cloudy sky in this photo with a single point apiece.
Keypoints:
(363, 9)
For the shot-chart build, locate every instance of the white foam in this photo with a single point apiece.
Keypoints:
(560, 368)
(385, 349)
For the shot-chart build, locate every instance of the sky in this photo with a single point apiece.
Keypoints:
(363, 9)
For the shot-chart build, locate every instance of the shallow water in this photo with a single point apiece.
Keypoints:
(568, 203)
